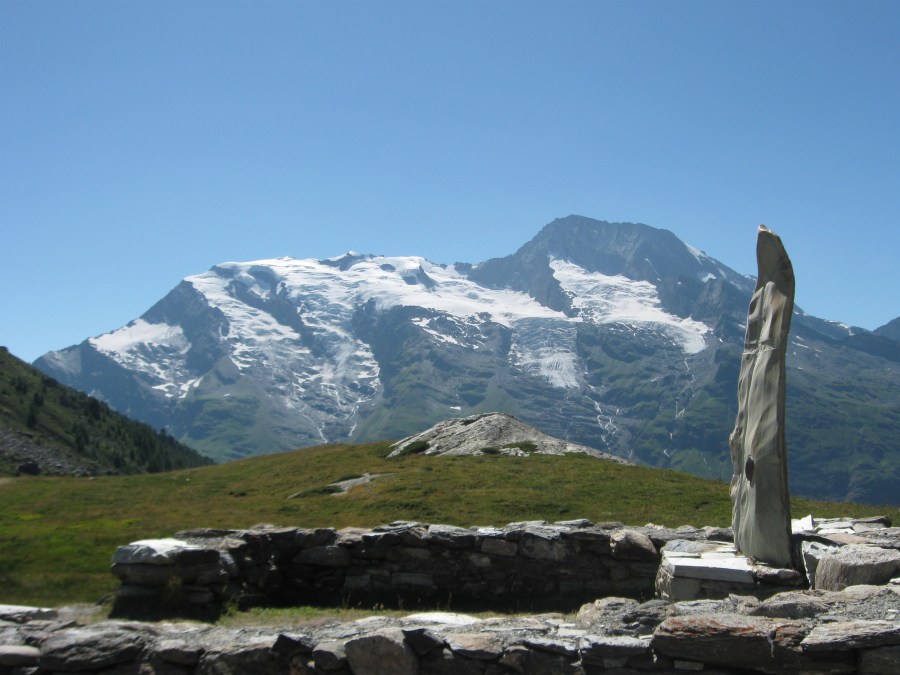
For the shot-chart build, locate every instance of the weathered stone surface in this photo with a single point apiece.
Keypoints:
(384, 652)
(151, 552)
(18, 655)
(238, 660)
(846, 635)
(856, 564)
(22, 613)
(91, 648)
(450, 536)
(179, 652)
(330, 655)
(759, 486)
(598, 648)
(632, 545)
(791, 605)
(529, 662)
(728, 640)
(880, 661)
(143, 574)
(481, 646)
(499, 547)
(423, 640)
(327, 556)
(812, 553)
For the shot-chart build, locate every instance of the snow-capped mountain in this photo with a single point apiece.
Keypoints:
(616, 336)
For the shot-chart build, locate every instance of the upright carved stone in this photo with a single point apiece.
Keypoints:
(759, 486)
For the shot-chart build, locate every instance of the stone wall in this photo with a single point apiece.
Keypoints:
(523, 566)
(850, 631)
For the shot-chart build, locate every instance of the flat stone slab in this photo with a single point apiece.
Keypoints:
(730, 568)
(151, 552)
(23, 613)
(856, 564)
(847, 635)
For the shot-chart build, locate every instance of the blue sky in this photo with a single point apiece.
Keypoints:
(141, 142)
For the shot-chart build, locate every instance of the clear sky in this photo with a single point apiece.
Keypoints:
(141, 142)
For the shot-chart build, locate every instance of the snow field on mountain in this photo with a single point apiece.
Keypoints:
(601, 299)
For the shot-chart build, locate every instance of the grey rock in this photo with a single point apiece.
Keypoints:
(384, 652)
(500, 547)
(846, 635)
(422, 640)
(791, 605)
(856, 564)
(812, 553)
(731, 640)
(327, 556)
(150, 552)
(238, 660)
(23, 613)
(528, 662)
(19, 656)
(491, 433)
(480, 646)
(597, 648)
(330, 655)
(144, 574)
(450, 536)
(179, 652)
(91, 648)
(633, 545)
(759, 486)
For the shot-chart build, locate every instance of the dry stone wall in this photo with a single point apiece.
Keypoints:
(523, 566)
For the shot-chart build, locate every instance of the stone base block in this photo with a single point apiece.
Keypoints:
(715, 572)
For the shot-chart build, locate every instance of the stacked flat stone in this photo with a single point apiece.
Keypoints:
(851, 631)
(527, 565)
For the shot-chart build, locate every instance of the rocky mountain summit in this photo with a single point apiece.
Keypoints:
(490, 434)
(615, 336)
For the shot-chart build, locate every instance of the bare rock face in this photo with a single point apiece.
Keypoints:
(759, 485)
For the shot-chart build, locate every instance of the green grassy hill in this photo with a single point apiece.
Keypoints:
(63, 431)
(57, 534)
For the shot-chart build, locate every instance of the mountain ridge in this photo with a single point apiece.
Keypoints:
(48, 428)
(615, 336)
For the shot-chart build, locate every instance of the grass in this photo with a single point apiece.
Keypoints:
(57, 534)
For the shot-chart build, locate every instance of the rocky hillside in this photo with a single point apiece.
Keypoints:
(617, 336)
(48, 428)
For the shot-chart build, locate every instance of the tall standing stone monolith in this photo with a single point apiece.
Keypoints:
(759, 486)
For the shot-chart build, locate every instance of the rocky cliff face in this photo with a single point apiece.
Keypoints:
(616, 336)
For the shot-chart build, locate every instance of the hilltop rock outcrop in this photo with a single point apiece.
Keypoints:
(490, 434)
